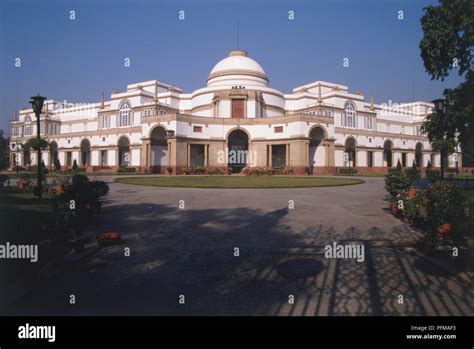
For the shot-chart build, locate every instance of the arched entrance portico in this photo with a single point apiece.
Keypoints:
(350, 152)
(85, 152)
(419, 155)
(159, 150)
(26, 156)
(123, 151)
(238, 145)
(317, 154)
(387, 153)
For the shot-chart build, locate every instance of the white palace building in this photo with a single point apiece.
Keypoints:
(153, 125)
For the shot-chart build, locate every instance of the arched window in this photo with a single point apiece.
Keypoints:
(349, 115)
(124, 118)
(350, 150)
(419, 155)
(27, 127)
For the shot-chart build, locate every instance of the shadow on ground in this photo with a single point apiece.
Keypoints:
(192, 253)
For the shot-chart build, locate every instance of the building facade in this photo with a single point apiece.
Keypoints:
(237, 120)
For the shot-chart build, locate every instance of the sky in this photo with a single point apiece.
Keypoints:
(77, 60)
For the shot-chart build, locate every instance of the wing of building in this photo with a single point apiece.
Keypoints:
(237, 120)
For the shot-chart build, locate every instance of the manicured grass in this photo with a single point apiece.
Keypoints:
(239, 182)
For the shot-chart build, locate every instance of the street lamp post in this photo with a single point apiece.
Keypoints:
(440, 107)
(17, 155)
(37, 103)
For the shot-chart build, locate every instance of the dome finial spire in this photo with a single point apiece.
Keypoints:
(238, 34)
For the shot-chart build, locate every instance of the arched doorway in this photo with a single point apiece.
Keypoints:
(317, 156)
(419, 155)
(238, 145)
(387, 153)
(53, 154)
(85, 152)
(350, 151)
(123, 151)
(159, 150)
(26, 156)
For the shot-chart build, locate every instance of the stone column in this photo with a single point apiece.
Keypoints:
(188, 161)
(269, 155)
(145, 162)
(330, 152)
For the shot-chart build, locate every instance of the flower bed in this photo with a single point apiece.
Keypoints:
(267, 171)
(201, 170)
(347, 171)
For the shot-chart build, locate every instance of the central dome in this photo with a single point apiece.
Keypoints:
(237, 69)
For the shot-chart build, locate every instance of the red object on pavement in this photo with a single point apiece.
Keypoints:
(108, 238)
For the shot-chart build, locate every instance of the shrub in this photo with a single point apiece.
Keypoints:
(126, 170)
(412, 174)
(215, 171)
(348, 171)
(447, 204)
(198, 170)
(99, 189)
(396, 183)
(57, 165)
(433, 175)
(415, 210)
(399, 166)
(79, 179)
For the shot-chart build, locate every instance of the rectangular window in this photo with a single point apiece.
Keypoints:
(368, 122)
(103, 158)
(404, 159)
(197, 129)
(197, 156)
(278, 129)
(370, 159)
(278, 155)
(238, 108)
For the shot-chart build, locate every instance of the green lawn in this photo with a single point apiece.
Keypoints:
(237, 182)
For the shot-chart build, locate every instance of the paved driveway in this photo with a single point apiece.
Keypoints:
(191, 252)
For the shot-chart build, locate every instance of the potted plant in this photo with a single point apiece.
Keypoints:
(396, 183)
(444, 230)
(97, 190)
(169, 169)
(307, 170)
(446, 211)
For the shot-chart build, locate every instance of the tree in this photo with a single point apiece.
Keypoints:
(4, 151)
(57, 165)
(448, 40)
(399, 166)
(74, 165)
(440, 131)
(35, 143)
